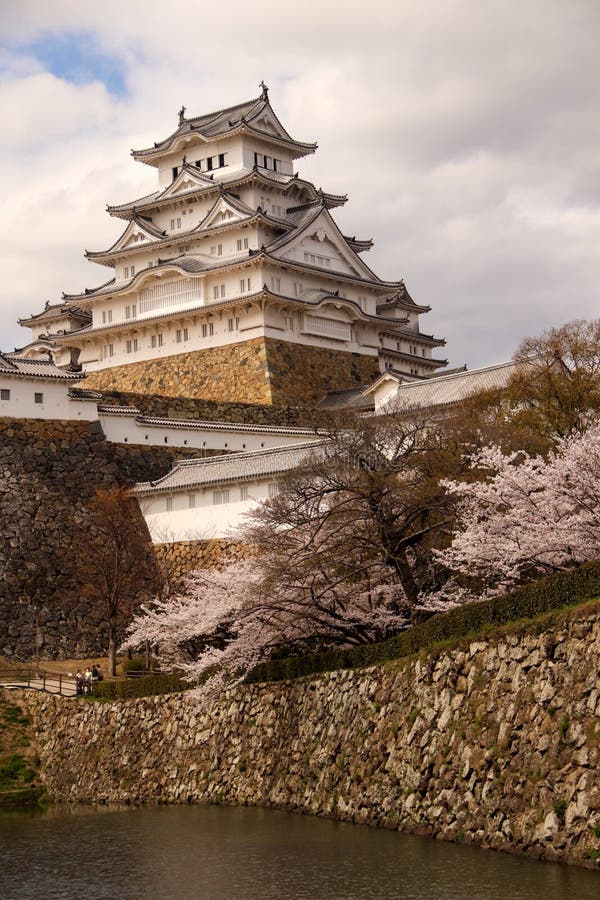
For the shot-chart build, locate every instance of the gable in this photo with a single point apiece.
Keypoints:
(321, 247)
(187, 180)
(223, 212)
(266, 121)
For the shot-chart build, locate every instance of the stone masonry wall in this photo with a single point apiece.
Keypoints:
(493, 742)
(261, 371)
(182, 557)
(212, 410)
(49, 472)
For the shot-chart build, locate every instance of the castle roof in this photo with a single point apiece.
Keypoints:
(54, 312)
(233, 467)
(21, 367)
(254, 116)
(443, 390)
(312, 301)
(203, 184)
(205, 228)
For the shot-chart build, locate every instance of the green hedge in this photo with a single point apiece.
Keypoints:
(545, 595)
(144, 686)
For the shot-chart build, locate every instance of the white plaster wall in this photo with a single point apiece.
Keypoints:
(384, 393)
(125, 429)
(206, 520)
(252, 145)
(56, 403)
(195, 149)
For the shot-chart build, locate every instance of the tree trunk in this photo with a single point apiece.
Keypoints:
(112, 649)
(409, 585)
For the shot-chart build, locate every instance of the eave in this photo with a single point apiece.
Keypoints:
(264, 294)
(152, 155)
(108, 258)
(160, 199)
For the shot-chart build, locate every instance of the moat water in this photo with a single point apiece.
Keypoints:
(224, 853)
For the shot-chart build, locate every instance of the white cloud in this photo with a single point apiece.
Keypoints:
(465, 134)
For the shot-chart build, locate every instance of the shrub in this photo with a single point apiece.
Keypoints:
(144, 686)
(137, 664)
(547, 594)
(560, 808)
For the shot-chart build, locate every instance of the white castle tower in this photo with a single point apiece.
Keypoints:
(232, 281)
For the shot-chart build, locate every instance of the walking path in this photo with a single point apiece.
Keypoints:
(43, 681)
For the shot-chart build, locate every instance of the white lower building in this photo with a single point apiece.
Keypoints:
(203, 499)
(37, 389)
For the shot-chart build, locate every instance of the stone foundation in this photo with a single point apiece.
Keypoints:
(261, 371)
(50, 470)
(180, 558)
(494, 742)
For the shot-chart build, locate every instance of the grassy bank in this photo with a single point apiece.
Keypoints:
(19, 782)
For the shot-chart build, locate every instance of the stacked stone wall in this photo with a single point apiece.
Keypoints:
(180, 558)
(494, 742)
(258, 372)
(210, 410)
(50, 470)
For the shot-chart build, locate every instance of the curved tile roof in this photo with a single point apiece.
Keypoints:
(20, 366)
(230, 468)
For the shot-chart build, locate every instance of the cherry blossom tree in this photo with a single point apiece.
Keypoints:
(227, 622)
(531, 515)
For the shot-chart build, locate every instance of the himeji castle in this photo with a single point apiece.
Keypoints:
(232, 282)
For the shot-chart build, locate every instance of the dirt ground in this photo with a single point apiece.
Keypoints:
(59, 666)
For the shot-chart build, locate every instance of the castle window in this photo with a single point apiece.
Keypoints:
(156, 340)
(129, 346)
(244, 493)
(275, 284)
(111, 349)
(131, 311)
(178, 335)
(297, 288)
(273, 490)
(289, 323)
(174, 171)
(172, 224)
(220, 497)
(178, 224)
(4, 394)
(38, 398)
(169, 504)
(218, 291)
(191, 501)
(186, 334)
(222, 159)
(244, 285)
(209, 163)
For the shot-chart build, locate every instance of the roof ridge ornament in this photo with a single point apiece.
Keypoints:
(264, 91)
(182, 116)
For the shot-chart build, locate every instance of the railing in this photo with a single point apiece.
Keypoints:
(37, 680)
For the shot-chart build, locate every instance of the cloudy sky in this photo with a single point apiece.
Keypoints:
(466, 133)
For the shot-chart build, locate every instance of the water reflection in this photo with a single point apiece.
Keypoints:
(222, 853)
